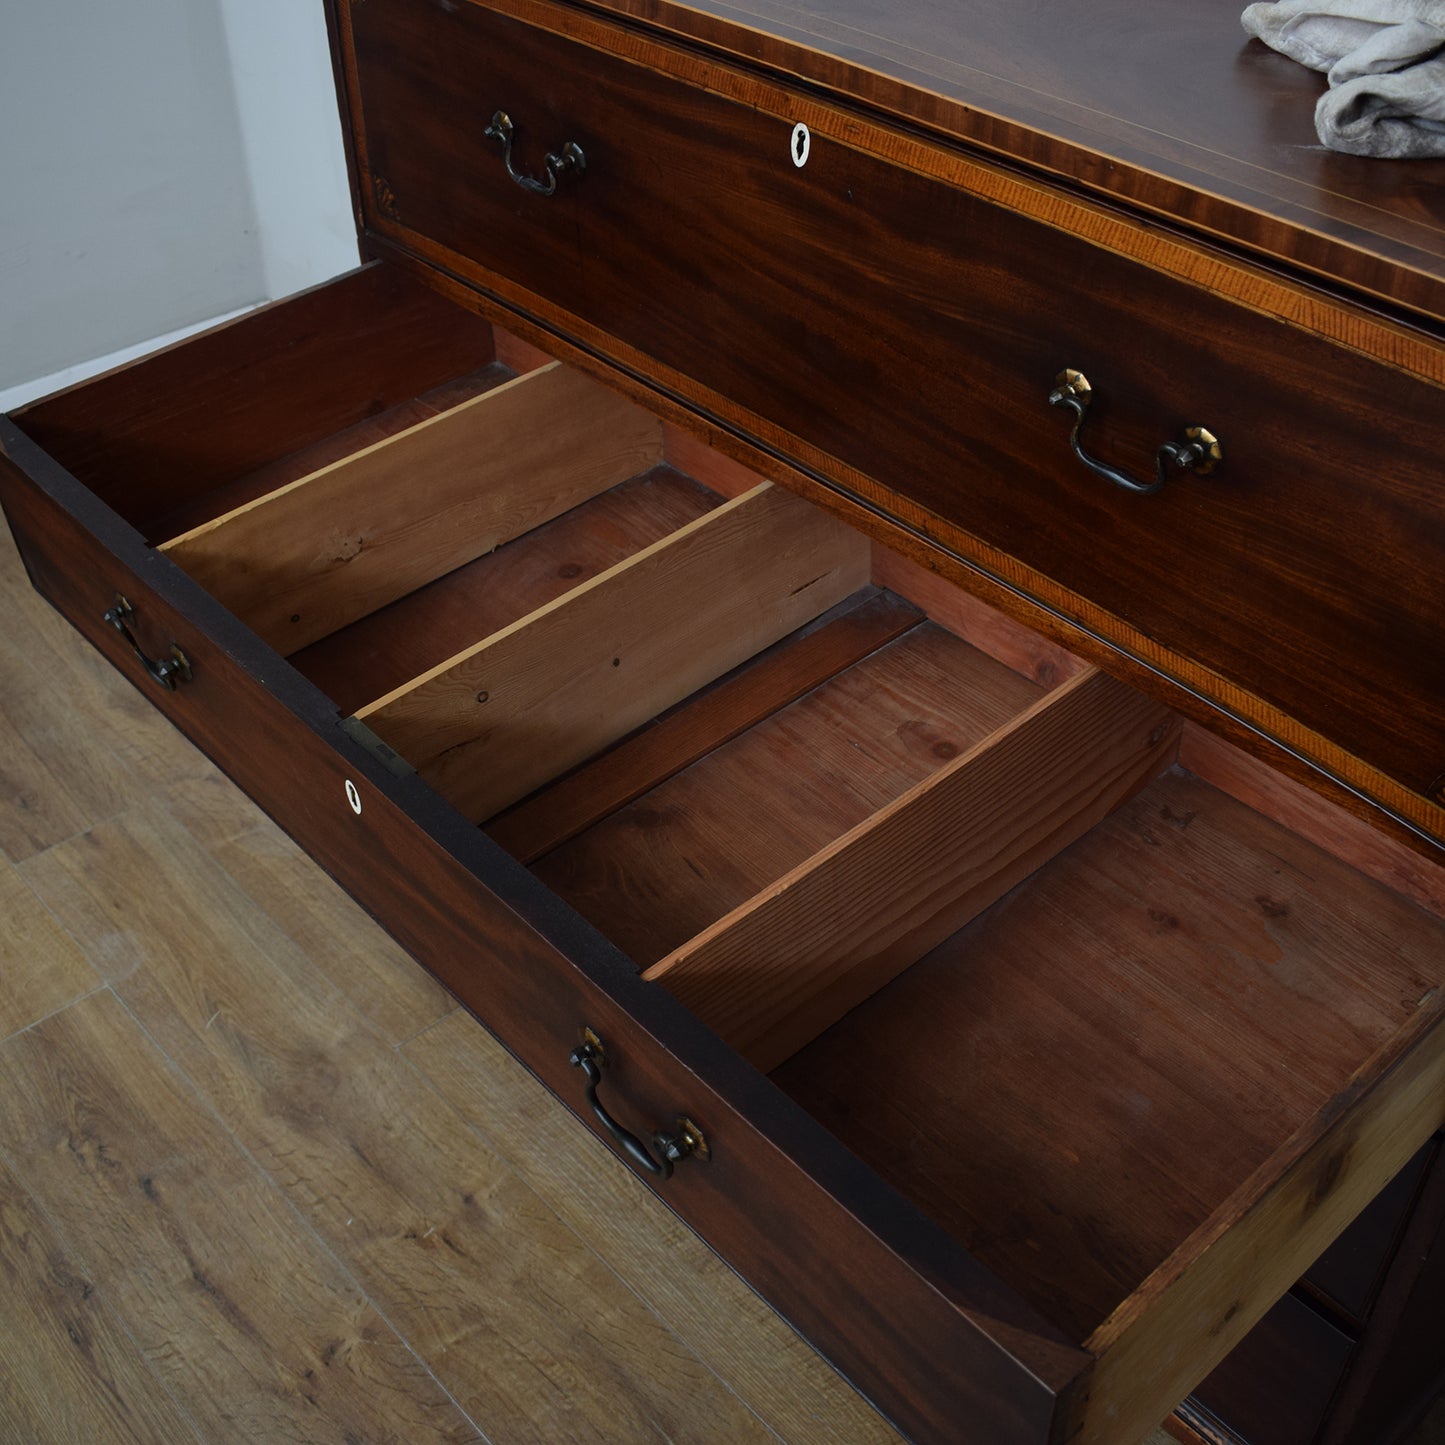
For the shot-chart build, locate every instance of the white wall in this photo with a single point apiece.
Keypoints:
(162, 163)
(291, 134)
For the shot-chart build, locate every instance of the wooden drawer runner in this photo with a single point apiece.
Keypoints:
(878, 319)
(1111, 1057)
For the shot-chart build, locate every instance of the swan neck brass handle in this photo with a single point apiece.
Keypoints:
(685, 1141)
(557, 163)
(167, 671)
(1197, 451)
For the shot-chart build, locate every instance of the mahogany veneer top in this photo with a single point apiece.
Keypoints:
(1170, 106)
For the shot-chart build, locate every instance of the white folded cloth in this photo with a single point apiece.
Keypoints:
(1385, 60)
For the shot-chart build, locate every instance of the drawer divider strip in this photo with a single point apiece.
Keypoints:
(781, 968)
(700, 725)
(498, 720)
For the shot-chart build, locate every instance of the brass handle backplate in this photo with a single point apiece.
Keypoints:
(557, 163)
(1198, 451)
(685, 1141)
(167, 671)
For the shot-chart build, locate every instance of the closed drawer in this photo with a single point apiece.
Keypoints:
(892, 316)
(1331, 1362)
(1031, 1068)
(1277, 1388)
(1351, 1271)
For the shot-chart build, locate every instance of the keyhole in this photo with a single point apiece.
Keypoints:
(353, 796)
(802, 144)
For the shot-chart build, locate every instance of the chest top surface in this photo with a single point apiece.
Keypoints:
(1173, 108)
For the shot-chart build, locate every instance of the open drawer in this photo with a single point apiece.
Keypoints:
(1003, 1049)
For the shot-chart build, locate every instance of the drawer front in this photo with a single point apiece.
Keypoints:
(847, 1261)
(1350, 1272)
(898, 333)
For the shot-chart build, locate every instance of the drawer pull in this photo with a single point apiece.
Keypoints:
(166, 670)
(558, 163)
(1198, 452)
(685, 1141)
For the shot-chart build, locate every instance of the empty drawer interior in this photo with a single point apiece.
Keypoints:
(1003, 925)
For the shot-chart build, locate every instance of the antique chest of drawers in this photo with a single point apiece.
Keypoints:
(876, 616)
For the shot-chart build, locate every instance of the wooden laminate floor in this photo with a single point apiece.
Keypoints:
(262, 1181)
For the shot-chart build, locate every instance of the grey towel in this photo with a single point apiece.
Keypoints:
(1386, 65)
(1401, 114)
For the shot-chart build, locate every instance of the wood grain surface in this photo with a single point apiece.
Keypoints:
(782, 967)
(230, 1131)
(1225, 143)
(388, 649)
(501, 943)
(669, 865)
(76, 1367)
(511, 712)
(1247, 720)
(196, 510)
(239, 1064)
(329, 548)
(1232, 979)
(177, 1224)
(785, 672)
(72, 1371)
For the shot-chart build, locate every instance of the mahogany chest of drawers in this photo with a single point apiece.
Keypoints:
(924, 722)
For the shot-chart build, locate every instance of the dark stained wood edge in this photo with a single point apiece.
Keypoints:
(1374, 253)
(511, 951)
(1180, 1426)
(702, 724)
(348, 128)
(1196, 692)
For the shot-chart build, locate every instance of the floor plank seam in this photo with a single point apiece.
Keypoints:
(304, 1224)
(100, 987)
(400, 1044)
(114, 1315)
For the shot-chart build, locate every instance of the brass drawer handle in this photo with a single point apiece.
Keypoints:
(685, 1140)
(1198, 452)
(167, 670)
(558, 163)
